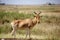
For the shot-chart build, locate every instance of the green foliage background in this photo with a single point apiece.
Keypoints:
(6, 27)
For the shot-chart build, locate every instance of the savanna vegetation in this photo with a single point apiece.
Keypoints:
(49, 28)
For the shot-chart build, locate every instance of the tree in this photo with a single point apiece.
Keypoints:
(49, 3)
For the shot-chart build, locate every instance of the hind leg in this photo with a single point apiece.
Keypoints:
(13, 32)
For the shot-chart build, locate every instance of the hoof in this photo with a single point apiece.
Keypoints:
(30, 39)
(12, 34)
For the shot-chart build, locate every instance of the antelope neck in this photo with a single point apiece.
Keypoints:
(34, 20)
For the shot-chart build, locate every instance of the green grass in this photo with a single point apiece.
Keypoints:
(11, 16)
(48, 28)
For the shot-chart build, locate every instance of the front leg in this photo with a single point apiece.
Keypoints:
(28, 33)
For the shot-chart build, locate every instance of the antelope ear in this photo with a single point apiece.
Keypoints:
(35, 13)
(40, 12)
(34, 16)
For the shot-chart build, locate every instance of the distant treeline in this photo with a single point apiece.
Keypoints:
(2, 3)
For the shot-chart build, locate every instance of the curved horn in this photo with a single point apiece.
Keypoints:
(35, 12)
(39, 12)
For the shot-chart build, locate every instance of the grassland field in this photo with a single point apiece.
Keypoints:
(49, 28)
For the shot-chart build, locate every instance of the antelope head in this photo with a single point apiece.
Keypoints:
(37, 17)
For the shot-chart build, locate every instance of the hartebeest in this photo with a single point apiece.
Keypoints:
(25, 24)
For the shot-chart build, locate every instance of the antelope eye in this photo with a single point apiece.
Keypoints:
(34, 16)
